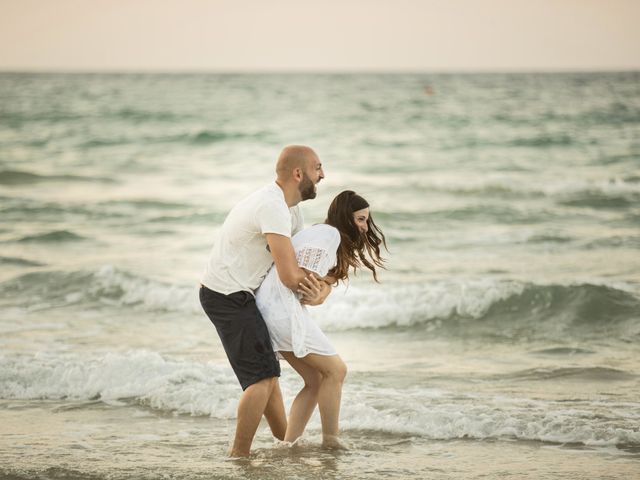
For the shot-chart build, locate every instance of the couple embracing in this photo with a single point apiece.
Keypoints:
(263, 271)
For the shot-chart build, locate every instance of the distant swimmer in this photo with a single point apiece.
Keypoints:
(428, 90)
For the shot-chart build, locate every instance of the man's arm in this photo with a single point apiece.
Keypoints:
(284, 257)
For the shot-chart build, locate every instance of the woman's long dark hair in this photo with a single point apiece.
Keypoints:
(356, 250)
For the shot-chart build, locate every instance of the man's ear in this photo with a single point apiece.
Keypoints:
(297, 173)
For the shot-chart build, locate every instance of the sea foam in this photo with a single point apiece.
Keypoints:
(207, 389)
(417, 411)
(144, 377)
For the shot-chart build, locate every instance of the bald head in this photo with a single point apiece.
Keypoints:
(292, 157)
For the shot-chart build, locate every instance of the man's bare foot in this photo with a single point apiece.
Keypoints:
(334, 443)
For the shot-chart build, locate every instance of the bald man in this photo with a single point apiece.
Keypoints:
(256, 234)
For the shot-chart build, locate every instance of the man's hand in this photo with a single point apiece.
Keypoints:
(314, 291)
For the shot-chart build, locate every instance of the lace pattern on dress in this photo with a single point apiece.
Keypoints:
(312, 258)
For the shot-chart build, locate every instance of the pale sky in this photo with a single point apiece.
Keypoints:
(319, 35)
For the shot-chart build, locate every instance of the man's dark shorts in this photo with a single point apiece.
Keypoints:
(243, 333)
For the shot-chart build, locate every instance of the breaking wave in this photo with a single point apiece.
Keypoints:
(207, 389)
(495, 308)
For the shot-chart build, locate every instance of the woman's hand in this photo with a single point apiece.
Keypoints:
(313, 290)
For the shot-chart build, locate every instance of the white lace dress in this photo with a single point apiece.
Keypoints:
(290, 326)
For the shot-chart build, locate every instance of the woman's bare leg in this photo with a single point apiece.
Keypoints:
(306, 400)
(333, 371)
(275, 414)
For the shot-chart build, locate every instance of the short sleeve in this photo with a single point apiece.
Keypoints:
(317, 250)
(274, 218)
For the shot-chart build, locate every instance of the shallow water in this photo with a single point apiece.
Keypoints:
(502, 341)
(95, 440)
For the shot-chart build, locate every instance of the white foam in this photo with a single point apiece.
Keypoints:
(150, 379)
(353, 307)
(370, 306)
(418, 412)
(207, 389)
(407, 305)
(141, 292)
(365, 305)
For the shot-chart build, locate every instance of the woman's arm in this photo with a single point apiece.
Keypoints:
(314, 289)
(330, 280)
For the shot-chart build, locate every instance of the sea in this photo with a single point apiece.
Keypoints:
(502, 342)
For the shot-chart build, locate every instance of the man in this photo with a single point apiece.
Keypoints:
(257, 233)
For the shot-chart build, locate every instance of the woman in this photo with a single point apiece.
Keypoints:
(348, 239)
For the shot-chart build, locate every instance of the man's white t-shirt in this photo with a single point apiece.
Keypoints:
(240, 258)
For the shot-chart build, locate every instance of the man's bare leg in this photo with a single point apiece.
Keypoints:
(275, 414)
(250, 409)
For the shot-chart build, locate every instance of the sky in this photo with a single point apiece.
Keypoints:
(319, 35)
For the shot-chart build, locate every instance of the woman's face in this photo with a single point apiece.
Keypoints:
(360, 218)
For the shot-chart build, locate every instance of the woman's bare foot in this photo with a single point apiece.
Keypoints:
(333, 443)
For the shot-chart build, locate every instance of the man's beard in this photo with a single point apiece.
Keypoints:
(306, 188)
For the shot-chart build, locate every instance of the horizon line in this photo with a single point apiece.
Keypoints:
(337, 71)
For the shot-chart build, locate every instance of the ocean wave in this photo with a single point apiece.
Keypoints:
(536, 140)
(466, 307)
(19, 177)
(18, 119)
(137, 210)
(438, 416)
(485, 212)
(633, 218)
(543, 141)
(54, 236)
(600, 201)
(106, 286)
(19, 209)
(616, 241)
(29, 211)
(615, 113)
(142, 377)
(614, 187)
(106, 142)
(139, 115)
(549, 238)
(486, 307)
(200, 137)
(612, 113)
(563, 351)
(562, 189)
(213, 136)
(20, 262)
(592, 374)
(632, 178)
(147, 203)
(206, 217)
(207, 389)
